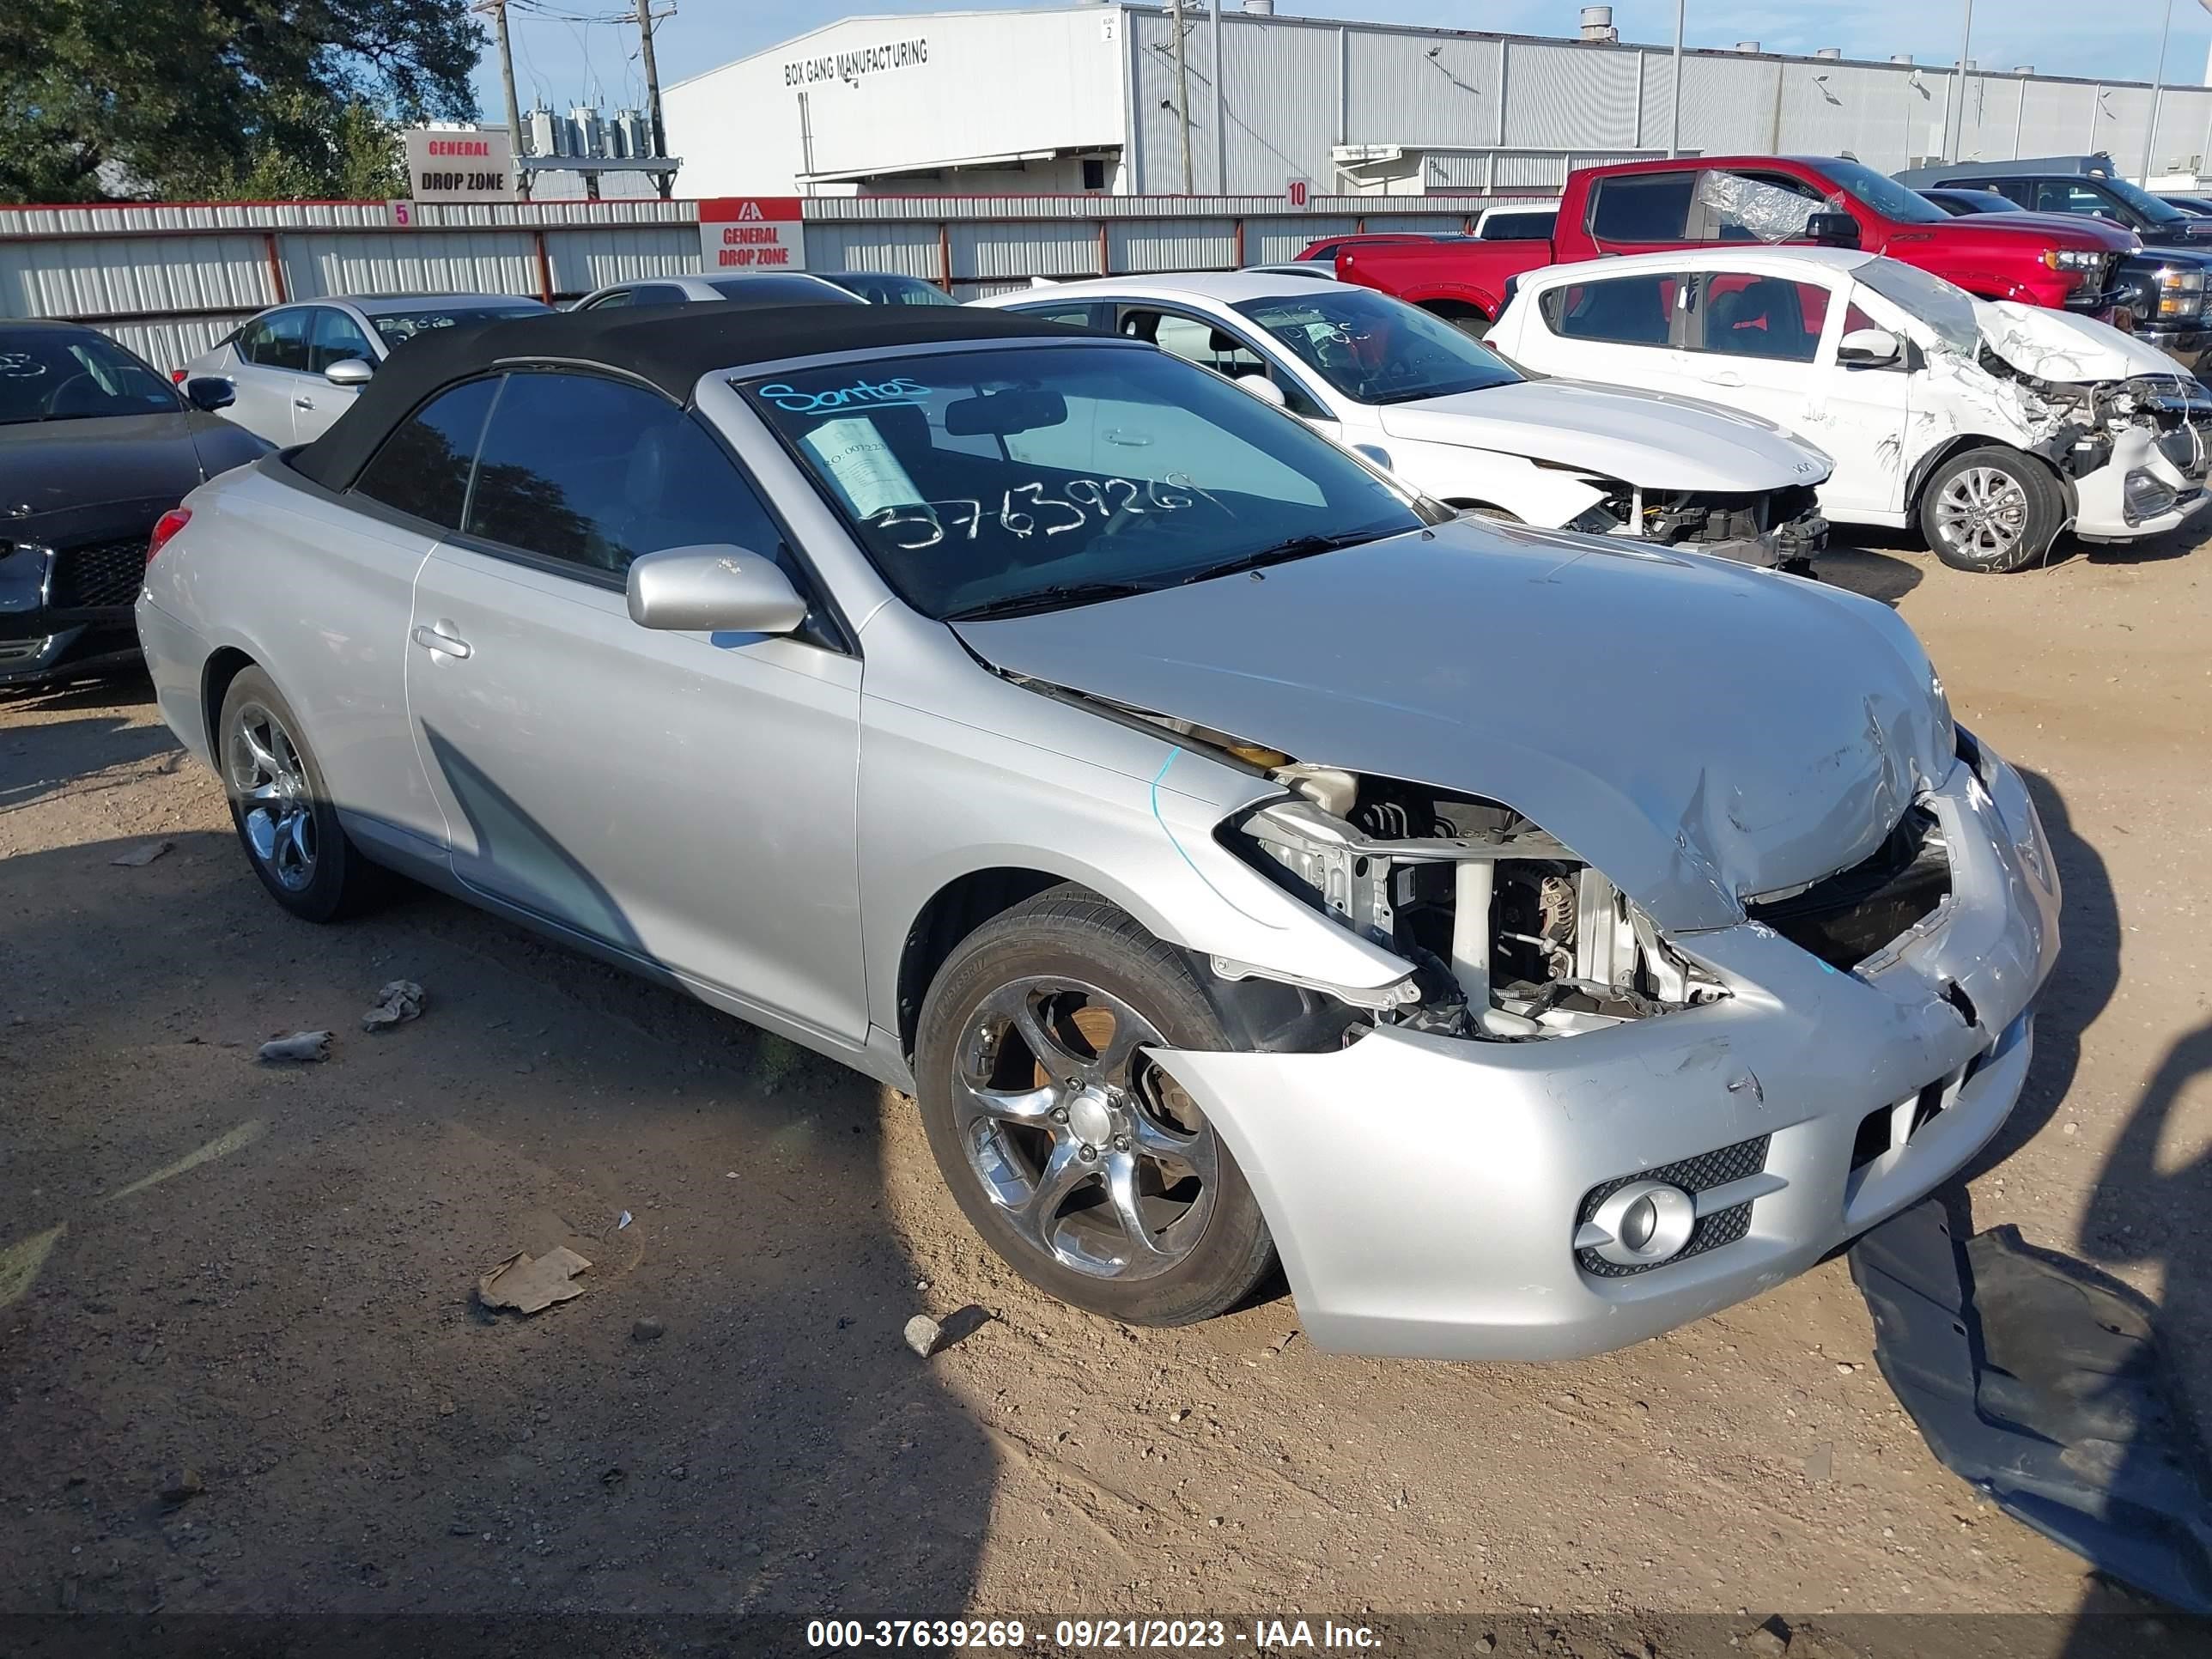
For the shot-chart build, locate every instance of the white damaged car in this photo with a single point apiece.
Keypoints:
(1990, 426)
(1420, 399)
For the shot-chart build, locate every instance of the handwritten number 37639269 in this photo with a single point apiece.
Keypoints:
(1024, 510)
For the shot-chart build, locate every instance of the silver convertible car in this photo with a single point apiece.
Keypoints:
(1534, 941)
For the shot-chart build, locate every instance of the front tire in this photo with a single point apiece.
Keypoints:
(281, 807)
(1991, 510)
(1081, 1162)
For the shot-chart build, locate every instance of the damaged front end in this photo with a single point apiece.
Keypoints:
(1773, 529)
(2131, 435)
(1512, 937)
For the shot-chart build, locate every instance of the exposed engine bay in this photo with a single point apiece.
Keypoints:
(1511, 935)
(1775, 529)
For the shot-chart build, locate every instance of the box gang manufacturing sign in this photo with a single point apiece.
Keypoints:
(460, 166)
(750, 233)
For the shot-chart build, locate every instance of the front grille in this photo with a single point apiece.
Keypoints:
(102, 573)
(1696, 1174)
(1845, 918)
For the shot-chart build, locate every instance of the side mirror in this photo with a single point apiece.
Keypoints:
(210, 393)
(1832, 230)
(713, 590)
(1869, 348)
(1264, 389)
(350, 372)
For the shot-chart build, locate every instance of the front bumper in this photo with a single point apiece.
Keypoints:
(2101, 512)
(1425, 1192)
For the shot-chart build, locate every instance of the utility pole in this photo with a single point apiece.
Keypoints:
(498, 10)
(2157, 94)
(1182, 91)
(1954, 138)
(1220, 134)
(652, 92)
(1675, 122)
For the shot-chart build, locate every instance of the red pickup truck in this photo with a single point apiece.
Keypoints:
(1643, 206)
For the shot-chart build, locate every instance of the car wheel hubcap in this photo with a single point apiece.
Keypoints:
(1096, 1155)
(1983, 513)
(269, 783)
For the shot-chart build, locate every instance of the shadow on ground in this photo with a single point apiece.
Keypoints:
(280, 1337)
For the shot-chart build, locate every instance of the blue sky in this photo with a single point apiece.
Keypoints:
(565, 62)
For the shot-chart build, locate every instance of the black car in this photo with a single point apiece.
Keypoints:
(94, 447)
(2166, 290)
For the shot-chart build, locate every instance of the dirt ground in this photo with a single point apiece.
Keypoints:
(251, 1288)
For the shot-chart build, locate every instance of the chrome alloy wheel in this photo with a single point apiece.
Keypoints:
(1983, 513)
(1094, 1154)
(269, 783)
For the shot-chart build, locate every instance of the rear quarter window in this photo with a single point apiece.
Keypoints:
(422, 468)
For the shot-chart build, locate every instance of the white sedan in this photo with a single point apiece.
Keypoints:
(1421, 399)
(1988, 426)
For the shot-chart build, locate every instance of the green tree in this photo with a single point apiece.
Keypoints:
(189, 99)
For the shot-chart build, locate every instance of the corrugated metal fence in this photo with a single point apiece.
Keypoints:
(170, 279)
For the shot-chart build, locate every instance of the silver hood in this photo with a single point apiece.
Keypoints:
(1698, 731)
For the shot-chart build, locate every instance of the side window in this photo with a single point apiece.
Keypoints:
(595, 473)
(1643, 206)
(2061, 196)
(656, 294)
(2018, 191)
(1753, 207)
(276, 341)
(1195, 340)
(1748, 316)
(1079, 316)
(1620, 311)
(285, 343)
(335, 335)
(621, 296)
(423, 467)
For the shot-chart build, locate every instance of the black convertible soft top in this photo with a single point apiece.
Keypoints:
(670, 346)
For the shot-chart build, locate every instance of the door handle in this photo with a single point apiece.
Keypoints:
(303, 402)
(438, 643)
(1726, 377)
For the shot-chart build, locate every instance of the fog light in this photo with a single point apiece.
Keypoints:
(2146, 497)
(1637, 1225)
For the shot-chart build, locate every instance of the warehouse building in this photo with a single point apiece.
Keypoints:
(1092, 98)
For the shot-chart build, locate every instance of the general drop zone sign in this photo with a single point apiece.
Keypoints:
(460, 166)
(750, 233)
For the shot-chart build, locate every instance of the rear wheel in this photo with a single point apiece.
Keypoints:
(281, 807)
(1078, 1159)
(1991, 510)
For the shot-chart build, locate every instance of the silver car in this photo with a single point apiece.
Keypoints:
(1534, 941)
(777, 288)
(296, 369)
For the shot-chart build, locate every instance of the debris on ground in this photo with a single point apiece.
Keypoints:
(530, 1284)
(1768, 1641)
(923, 1333)
(2046, 1389)
(396, 1004)
(622, 1221)
(300, 1045)
(1821, 1467)
(142, 855)
(647, 1330)
(182, 1486)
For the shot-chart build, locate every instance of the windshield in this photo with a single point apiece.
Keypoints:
(69, 375)
(2158, 212)
(1946, 309)
(888, 288)
(397, 327)
(1375, 349)
(1885, 195)
(988, 483)
(770, 290)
